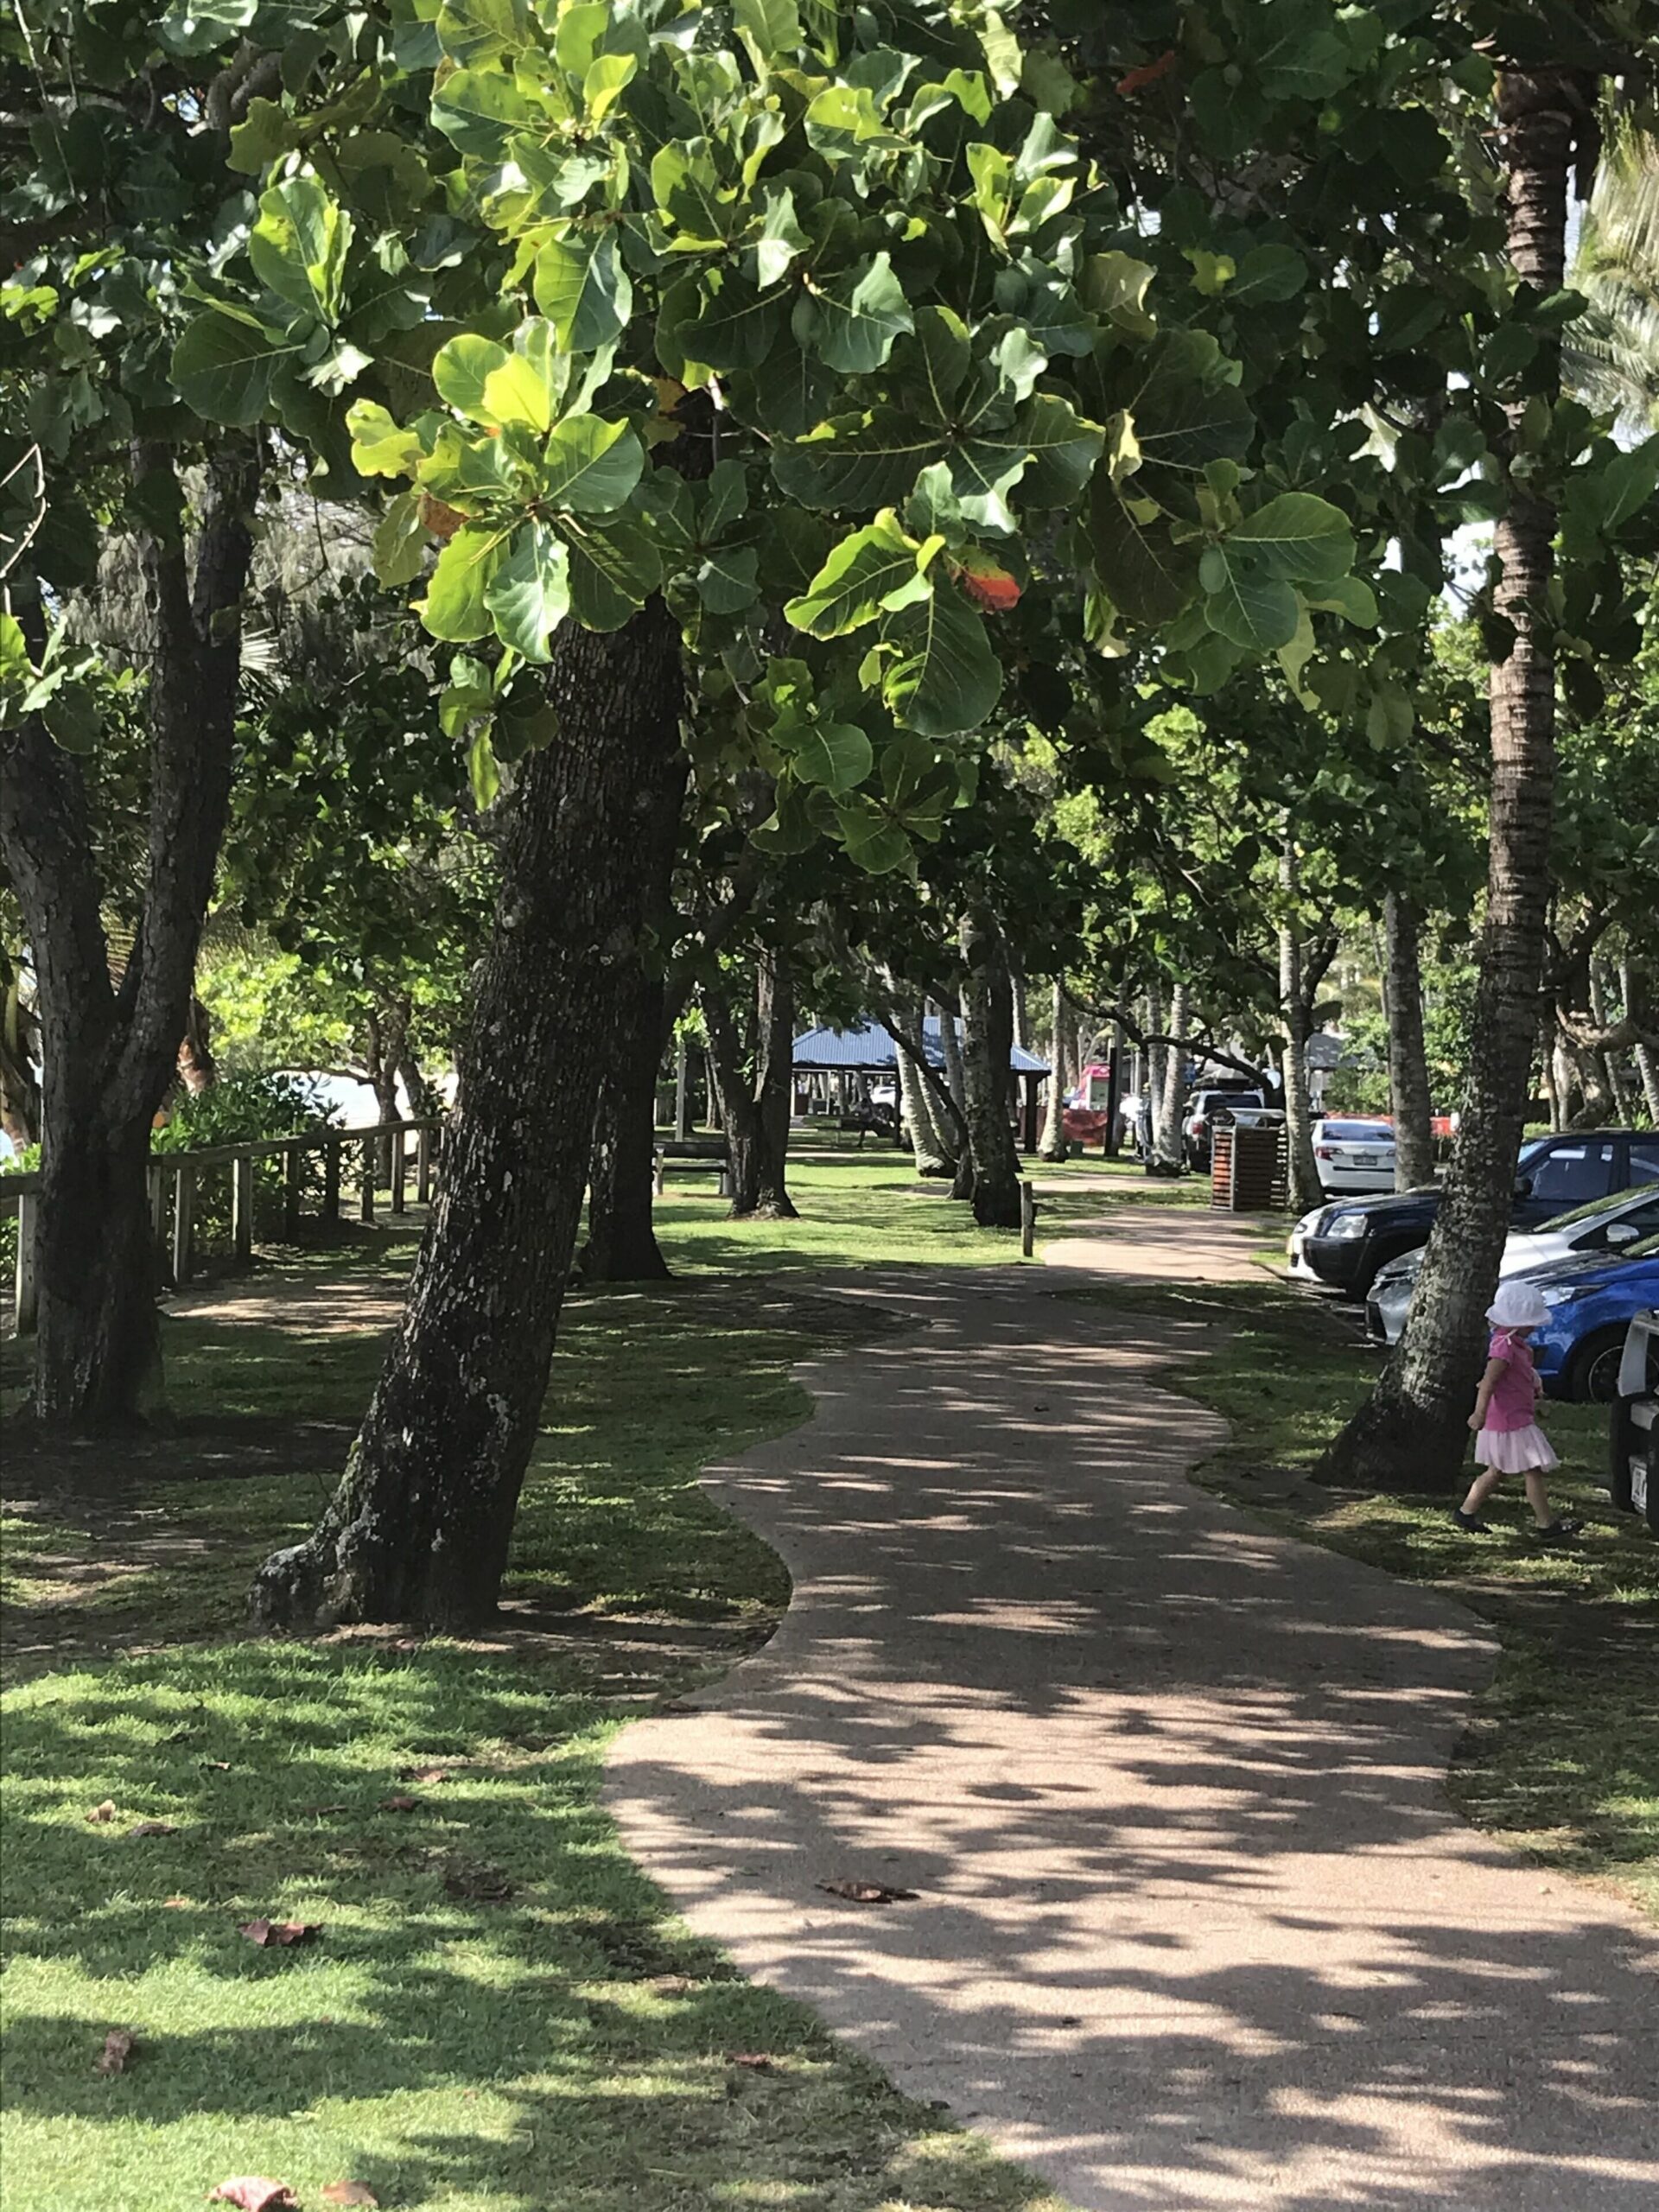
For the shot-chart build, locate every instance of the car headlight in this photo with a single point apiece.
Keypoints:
(1346, 1224)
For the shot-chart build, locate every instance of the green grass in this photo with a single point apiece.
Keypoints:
(1562, 1758)
(565, 2047)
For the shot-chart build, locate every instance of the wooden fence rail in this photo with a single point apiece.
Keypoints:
(176, 1186)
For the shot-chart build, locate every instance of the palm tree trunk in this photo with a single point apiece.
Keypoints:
(1306, 1191)
(1169, 1138)
(1053, 1146)
(1413, 1136)
(1412, 1432)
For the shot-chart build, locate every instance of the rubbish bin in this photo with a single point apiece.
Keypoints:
(1250, 1168)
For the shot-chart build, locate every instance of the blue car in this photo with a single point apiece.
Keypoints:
(1592, 1298)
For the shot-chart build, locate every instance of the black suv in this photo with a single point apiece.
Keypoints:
(1198, 1115)
(1347, 1242)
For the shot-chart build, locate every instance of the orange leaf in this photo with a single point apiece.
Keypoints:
(349, 2192)
(987, 583)
(117, 2049)
(757, 2060)
(267, 1933)
(102, 1813)
(1149, 74)
(441, 520)
(253, 2193)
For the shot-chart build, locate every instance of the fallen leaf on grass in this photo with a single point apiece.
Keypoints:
(216, 1766)
(424, 1773)
(102, 1813)
(253, 2193)
(349, 2192)
(485, 1884)
(757, 2061)
(153, 1827)
(269, 1932)
(400, 1804)
(117, 2049)
(866, 1893)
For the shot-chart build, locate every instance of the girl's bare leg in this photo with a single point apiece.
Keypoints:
(1538, 1499)
(1482, 1488)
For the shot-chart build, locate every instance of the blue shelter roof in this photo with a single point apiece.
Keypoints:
(870, 1049)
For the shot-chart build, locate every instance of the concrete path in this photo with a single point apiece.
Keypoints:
(1195, 1925)
(1156, 1243)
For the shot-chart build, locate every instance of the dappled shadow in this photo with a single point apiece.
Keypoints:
(1195, 1924)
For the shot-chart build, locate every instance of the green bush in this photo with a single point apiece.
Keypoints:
(245, 1110)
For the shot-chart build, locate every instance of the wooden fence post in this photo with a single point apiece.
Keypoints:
(26, 1302)
(242, 1207)
(397, 1169)
(331, 1180)
(422, 1165)
(158, 1213)
(184, 1221)
(292, 1167)
(1027, 1219)
(366, 1199)
(657, 1172)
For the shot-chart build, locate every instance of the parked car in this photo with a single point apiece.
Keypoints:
(1198, 1115)
(1592, 1298)
(1345, 1243)
(1354, 1155)
(1604, 1226)
(1633, 1439)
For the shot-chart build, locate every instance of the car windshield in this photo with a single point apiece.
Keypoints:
(1608, 1204)
(1356, 1132)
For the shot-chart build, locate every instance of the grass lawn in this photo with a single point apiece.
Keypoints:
(498, 2012)
(1563, 1758)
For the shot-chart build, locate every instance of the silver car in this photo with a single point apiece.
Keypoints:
(1603, 1225)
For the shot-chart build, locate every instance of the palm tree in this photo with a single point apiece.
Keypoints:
(1612, 352)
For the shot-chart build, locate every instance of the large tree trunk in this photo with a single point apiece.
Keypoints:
(420, 1525)
(1414, 1136)
(1168, 1128)
(1306, 1191)
(621, 1243)
(1052, 1145)
(755, 1094)
(108, 1056)
(1412, 1432)
(933, 1156)
(987, 1003)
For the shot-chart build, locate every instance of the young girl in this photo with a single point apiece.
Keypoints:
(1509, 1440)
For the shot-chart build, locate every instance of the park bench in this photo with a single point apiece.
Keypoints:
(871, 1122)
(707, 1155)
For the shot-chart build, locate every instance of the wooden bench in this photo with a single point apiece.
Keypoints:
(709, 1155)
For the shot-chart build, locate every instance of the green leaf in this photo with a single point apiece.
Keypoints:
(516, 392)
(615, 569)
(462, 370)
(1179, 428)
(853, 323)
(399, 542)
(266, 131)
(1253, 610)
(875, 568)
(471, 31)
(1298, 535)
(769, 27)
(191, 27)
(782, 241)
(717, 317)
(874, 841)
(589, 465)
(1144, 573)
(592, 29)
(481, 112)
(379, 446)
(222, 368)
(456, 606)
(1389, 718)
(857, 461)
(1348, 596)
(529, 593)
(71, 716)
(483, 772)
(838, 755)
(728, 578)
(1062, 450)
(1267, 275)
(607, 81)
(1628, 482)
(299, 245)
(582, 289)
(947, 678)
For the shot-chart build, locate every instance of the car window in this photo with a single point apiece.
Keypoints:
(1609, 1202)
(1356, 1132)
(1645, 1159)
(1647, 1249)
(1569, 1173)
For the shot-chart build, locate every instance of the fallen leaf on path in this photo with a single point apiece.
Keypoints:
(101, 1812)
(757, 2061)
(485, 1884)
(153, 1827)
(678, 1705)
(253, 2193)
(269, 1932)
(866, 1892)
(400, 1804)
(117, 2049)
(349, 2192)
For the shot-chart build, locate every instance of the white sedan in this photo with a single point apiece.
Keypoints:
(1354, 1155)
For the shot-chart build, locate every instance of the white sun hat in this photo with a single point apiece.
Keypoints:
(1517, 1306)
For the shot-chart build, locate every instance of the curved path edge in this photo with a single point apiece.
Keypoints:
(1194, 1923)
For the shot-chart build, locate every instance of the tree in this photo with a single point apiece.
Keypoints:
(754, 1071)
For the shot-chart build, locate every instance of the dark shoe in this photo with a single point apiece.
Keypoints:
(1471, 1523)
(1559, 1531)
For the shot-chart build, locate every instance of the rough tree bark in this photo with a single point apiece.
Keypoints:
(933, 1156)
(1306, 1191)
(1413, 1136)
(420, 1525)
(622, 1243)
(754, 1101)
(988, 1004)
(1166, 1137)
(1053, 1144)
(1412, 1432)
(110, 1053)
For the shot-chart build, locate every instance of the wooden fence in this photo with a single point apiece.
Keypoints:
(177, 1178)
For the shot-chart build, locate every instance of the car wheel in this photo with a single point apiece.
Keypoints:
(1595, 1367)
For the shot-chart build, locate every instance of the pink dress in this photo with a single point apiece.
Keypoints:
(1511, 1439)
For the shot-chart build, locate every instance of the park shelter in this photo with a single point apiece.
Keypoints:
(870, 1049)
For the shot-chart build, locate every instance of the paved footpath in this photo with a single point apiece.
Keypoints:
(1195, 1925)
